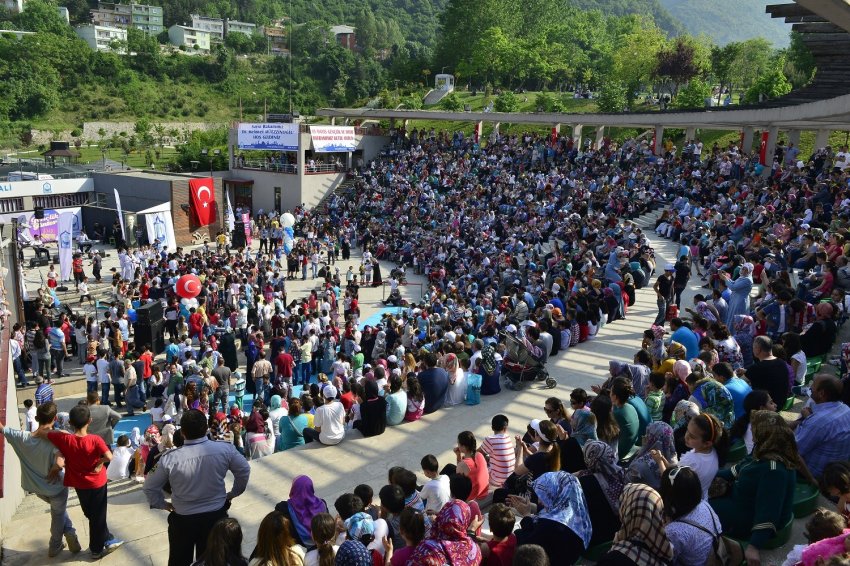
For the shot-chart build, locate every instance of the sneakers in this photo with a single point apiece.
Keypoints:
(109, 547)
(73, 542)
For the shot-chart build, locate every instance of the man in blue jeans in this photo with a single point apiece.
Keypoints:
(16, 351)
(40, 474)
(58, 350)
(103, 378)
(664, 290)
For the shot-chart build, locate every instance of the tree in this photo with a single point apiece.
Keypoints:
(693, 95)
(506, 102)
(799, 63)
(612, 97)
(771, 84)
(463, 22)
(451, 102)
(723, 61)
(634, 61)
(678, 63)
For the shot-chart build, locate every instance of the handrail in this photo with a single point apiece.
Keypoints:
(263, 165)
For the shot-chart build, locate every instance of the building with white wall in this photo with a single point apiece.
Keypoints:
(190, 38)
(101, 38)
(218, 28)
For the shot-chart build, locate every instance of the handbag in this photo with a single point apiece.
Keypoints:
(727, 551)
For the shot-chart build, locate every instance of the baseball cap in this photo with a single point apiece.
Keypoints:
(669, 267)
(535, 424)
(329, 392)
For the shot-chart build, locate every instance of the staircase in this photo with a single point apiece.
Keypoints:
(343, 188)
(434, 96)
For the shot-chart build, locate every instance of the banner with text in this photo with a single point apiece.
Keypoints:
(330, 139)
(47, 229)
(278, 137)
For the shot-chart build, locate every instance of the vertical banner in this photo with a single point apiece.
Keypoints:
(231, 219)
(160, 226)
(553, 138)
(763, 149)
(120, 214)
(246, 218)
(477, 132)
(203, 200)
(65, 239)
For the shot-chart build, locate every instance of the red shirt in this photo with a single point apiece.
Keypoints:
(147, 360)
(347, 400)
(81, 455)
(501, 552)
(284, 363)
(196, 322)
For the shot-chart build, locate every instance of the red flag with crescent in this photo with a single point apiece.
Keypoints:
(203, 200)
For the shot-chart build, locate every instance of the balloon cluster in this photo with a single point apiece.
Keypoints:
(188, 288)
(287, 221)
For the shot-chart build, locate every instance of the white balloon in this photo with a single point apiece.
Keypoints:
(287, 220)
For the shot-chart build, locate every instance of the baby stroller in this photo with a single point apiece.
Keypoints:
(521, 366)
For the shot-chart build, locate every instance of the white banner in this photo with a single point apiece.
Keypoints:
(65, 239)
(278, 137)
(120, 215)
(231, 219)
(160, 226)
(329, 139)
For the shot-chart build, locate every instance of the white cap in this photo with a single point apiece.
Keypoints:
(510, 328)
(669, 267)
(392, 359)
(329, 392)
(535, 424)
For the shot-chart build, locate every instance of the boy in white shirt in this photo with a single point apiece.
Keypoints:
(435, 493)
(119, 466)
(31, 423)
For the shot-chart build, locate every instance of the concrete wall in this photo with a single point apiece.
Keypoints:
(90, 128)
(184, 224)
(315, 187)
(13, 493)
(371, 146)
(264, 184)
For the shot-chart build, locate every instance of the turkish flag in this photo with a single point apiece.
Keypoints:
(763, 149)
(203, 200)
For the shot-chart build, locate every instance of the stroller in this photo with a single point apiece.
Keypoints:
(521, 366)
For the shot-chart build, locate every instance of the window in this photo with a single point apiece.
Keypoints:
(61, 201)
(11, 204)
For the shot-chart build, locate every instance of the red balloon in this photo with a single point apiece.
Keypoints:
(189, 286)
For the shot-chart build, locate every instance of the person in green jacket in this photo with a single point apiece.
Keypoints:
(627, 418)
(760, 500)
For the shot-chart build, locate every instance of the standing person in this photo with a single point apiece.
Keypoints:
(116, 372)
(196, 474)
(41, 464)
(58, 350)
(222, 376)
(739, 302)
(664, 291)
(680, 279)
(103, 419)
(769, 372)
(103, 377)
(85, 455)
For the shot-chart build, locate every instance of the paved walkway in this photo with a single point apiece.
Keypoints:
(338, 469)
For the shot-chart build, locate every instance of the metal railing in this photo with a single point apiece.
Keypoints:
(263, 165)
(71, 175)
(323, 168)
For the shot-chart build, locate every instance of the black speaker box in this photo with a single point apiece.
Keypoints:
(149, 313)
(153, 334)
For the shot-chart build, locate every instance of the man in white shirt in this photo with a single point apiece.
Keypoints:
(103, 378)
(329, 421)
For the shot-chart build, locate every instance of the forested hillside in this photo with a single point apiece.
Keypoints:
(729, 20)
(652, 9)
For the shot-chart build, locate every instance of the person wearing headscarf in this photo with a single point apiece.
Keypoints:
(300, 509)
(602, 483)
(680, 370)
(682, 414)
(818, 339)
(353, 553)
(644, 469)
(166, 442)
(276, 412)
(582, 430)
(739, 301)
(448, 541)
(709, 313)
(373, 411)
(744, 333)
(379, 350)
(456, 393)
(562, 525)
(636, 372)
(656, 347)
(641, 540)
(760, 501)
(713, 398)
(227, 348)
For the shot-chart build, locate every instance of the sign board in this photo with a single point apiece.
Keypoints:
(46, 229)
(45, 187)
(329, 139)
(275, 137)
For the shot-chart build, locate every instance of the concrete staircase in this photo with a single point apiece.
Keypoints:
(345, 187)
(434, 96)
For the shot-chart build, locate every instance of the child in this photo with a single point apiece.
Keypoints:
(578, 399)
(835, 482)
(392, 506)
(655, 397)
(31, 423)
(412, 529)
(406, 480)
(708, 443)
(415, 399)
(366, 494)
(85, 456)
(827, 536)
(156, 413)
(500, 452)
(460, 488)
(499, 550)
(239, 389)
(435, 493)
(119, 466)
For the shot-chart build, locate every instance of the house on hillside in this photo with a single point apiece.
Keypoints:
(138, 16)
(345, 36)
(219, 28)
(277, 39)
(102, 38)
(190, 38)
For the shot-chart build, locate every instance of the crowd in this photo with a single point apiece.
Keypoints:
(526, 241)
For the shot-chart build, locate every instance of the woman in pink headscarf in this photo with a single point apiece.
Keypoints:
(677, 387)
(818, 339)
(456, 394)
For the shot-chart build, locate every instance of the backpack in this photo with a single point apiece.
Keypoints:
(488, 359)
(727, 551)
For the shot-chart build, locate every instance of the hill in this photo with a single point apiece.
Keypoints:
(653, 8)
(728, 20)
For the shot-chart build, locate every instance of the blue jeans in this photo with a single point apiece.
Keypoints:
(304, 372)
(104, 393)
(60, 522)
(91, 386)
(19, 370)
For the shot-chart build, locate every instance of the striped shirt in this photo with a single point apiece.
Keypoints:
(500, 450)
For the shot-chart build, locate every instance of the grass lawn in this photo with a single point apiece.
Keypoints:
(92, 155)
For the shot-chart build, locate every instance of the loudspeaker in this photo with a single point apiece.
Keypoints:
(237, 237)
(149, 313)
(153, 334)
(32, 309)
(38, 213)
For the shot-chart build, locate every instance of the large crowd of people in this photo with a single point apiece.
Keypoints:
(529, 245)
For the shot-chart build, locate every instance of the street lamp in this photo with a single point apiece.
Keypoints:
(209, 155)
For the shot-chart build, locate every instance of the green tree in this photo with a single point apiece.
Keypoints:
(463, 22)
(506, 102)
(693, 95)
(634, 60)
(799, 63)
(451, 102)
(612, 97)
(723, 60)
(771, 84)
